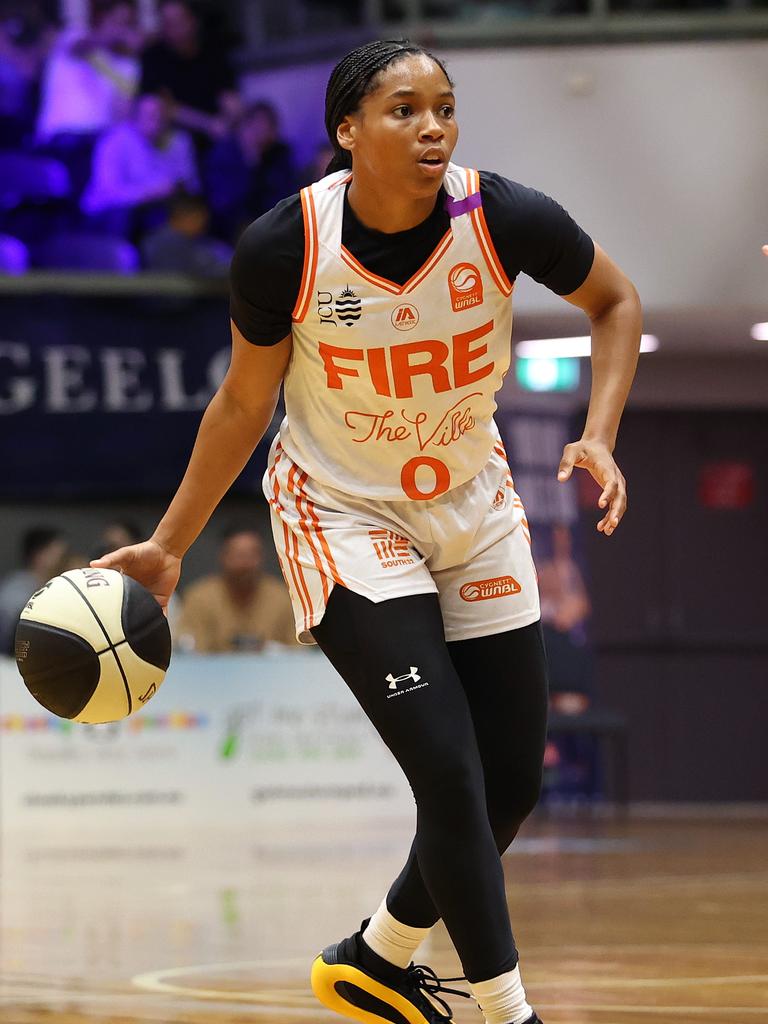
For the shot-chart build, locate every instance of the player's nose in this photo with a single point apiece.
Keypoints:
(430, 128)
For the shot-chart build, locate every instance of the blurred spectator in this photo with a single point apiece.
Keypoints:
(565, 608)
(249, 172)
(182, 245)
(137, 166)
(316, 168)
(43, 554)
(89, 80)
(90, 77)
(241, 608)
(192, 72)
(25, 39)
(119, 533)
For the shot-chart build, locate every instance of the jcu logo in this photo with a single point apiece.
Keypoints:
(345, 309)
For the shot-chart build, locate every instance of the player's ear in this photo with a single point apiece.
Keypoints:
(345, 134)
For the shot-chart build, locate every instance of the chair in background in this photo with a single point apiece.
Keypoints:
(35, 197)
(82, 251)
(25, 178)
(14, 255)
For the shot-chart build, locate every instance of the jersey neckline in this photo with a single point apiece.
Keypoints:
(437, 213)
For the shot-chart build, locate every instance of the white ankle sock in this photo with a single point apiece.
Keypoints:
(392, 939)
(502, 999)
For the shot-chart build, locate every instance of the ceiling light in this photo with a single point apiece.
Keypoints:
(556, 348)
(759, 332)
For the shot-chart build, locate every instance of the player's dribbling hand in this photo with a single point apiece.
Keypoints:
(148, 563)
(596, 458)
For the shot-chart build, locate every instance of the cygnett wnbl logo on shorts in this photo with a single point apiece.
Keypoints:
(485, 590)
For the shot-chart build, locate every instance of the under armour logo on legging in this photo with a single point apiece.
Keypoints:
(394, 680)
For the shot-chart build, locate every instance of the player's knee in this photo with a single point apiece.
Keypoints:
(507, 811)
(450, 783)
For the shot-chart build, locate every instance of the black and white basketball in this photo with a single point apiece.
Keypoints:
(93, 645)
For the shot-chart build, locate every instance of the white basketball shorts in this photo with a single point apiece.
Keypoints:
(471, 546)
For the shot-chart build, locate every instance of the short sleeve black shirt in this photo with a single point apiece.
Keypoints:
(531, 232)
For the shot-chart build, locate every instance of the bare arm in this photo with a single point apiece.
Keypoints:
(233, 424)
(611, 301)
(613, 305)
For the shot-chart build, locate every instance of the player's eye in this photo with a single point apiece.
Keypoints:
(403, 110)
(447, 110)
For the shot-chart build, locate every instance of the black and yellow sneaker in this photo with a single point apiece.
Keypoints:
(355, 981)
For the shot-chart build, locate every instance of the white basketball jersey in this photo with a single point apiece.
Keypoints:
(389, 393)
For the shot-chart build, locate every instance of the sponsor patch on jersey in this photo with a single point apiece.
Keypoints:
(391, 549)
(466, 286)
(485, 590)
(405, 317)
(500, 500)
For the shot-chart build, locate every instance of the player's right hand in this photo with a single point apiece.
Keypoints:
(148, 563)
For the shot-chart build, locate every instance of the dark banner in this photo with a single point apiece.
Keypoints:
(104, 395)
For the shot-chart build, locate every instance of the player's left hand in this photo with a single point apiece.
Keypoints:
(596, 458)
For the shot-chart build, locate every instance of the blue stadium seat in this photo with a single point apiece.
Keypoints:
(25, 178)
(14, 255)
(82, 251)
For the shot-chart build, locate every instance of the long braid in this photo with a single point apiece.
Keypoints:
(353, 78)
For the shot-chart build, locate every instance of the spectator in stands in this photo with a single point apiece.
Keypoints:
(26, 36)
(192, 72)
(316, 168)
(118, 533)
(249, 172)
(565, 609)
(241, 608)
(89, 81)
(183, 246)
(43, 553)
(137, 166)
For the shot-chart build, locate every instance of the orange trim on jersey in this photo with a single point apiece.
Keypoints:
(293, 557)
(310, 255)
(342, 181)
(287, 535)
(484, 239)
(321, 536)
(302, 579)
(304, 524)
(390, 286)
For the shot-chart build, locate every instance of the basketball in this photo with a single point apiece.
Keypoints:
(92, 645)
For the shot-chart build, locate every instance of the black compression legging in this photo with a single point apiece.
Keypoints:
(471, 743)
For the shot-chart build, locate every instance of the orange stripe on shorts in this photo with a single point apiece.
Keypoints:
(305, 528)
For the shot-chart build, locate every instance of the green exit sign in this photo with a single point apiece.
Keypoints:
(544, 374)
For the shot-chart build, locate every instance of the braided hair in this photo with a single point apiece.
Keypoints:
(353, 78)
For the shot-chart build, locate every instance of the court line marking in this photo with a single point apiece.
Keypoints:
(155, 981)
(129, 1000)
(669, 1010)
(581, 982)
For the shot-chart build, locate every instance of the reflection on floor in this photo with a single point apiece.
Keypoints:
(618, 922)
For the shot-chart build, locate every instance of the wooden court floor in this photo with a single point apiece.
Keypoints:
(632, 921)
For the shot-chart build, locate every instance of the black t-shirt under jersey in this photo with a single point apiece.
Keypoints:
(532, 234)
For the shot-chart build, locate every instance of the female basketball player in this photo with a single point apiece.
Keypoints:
(381, 298)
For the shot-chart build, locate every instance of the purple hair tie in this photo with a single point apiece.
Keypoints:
(456, 207)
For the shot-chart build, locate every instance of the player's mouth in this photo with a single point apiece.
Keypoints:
(433, 162)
